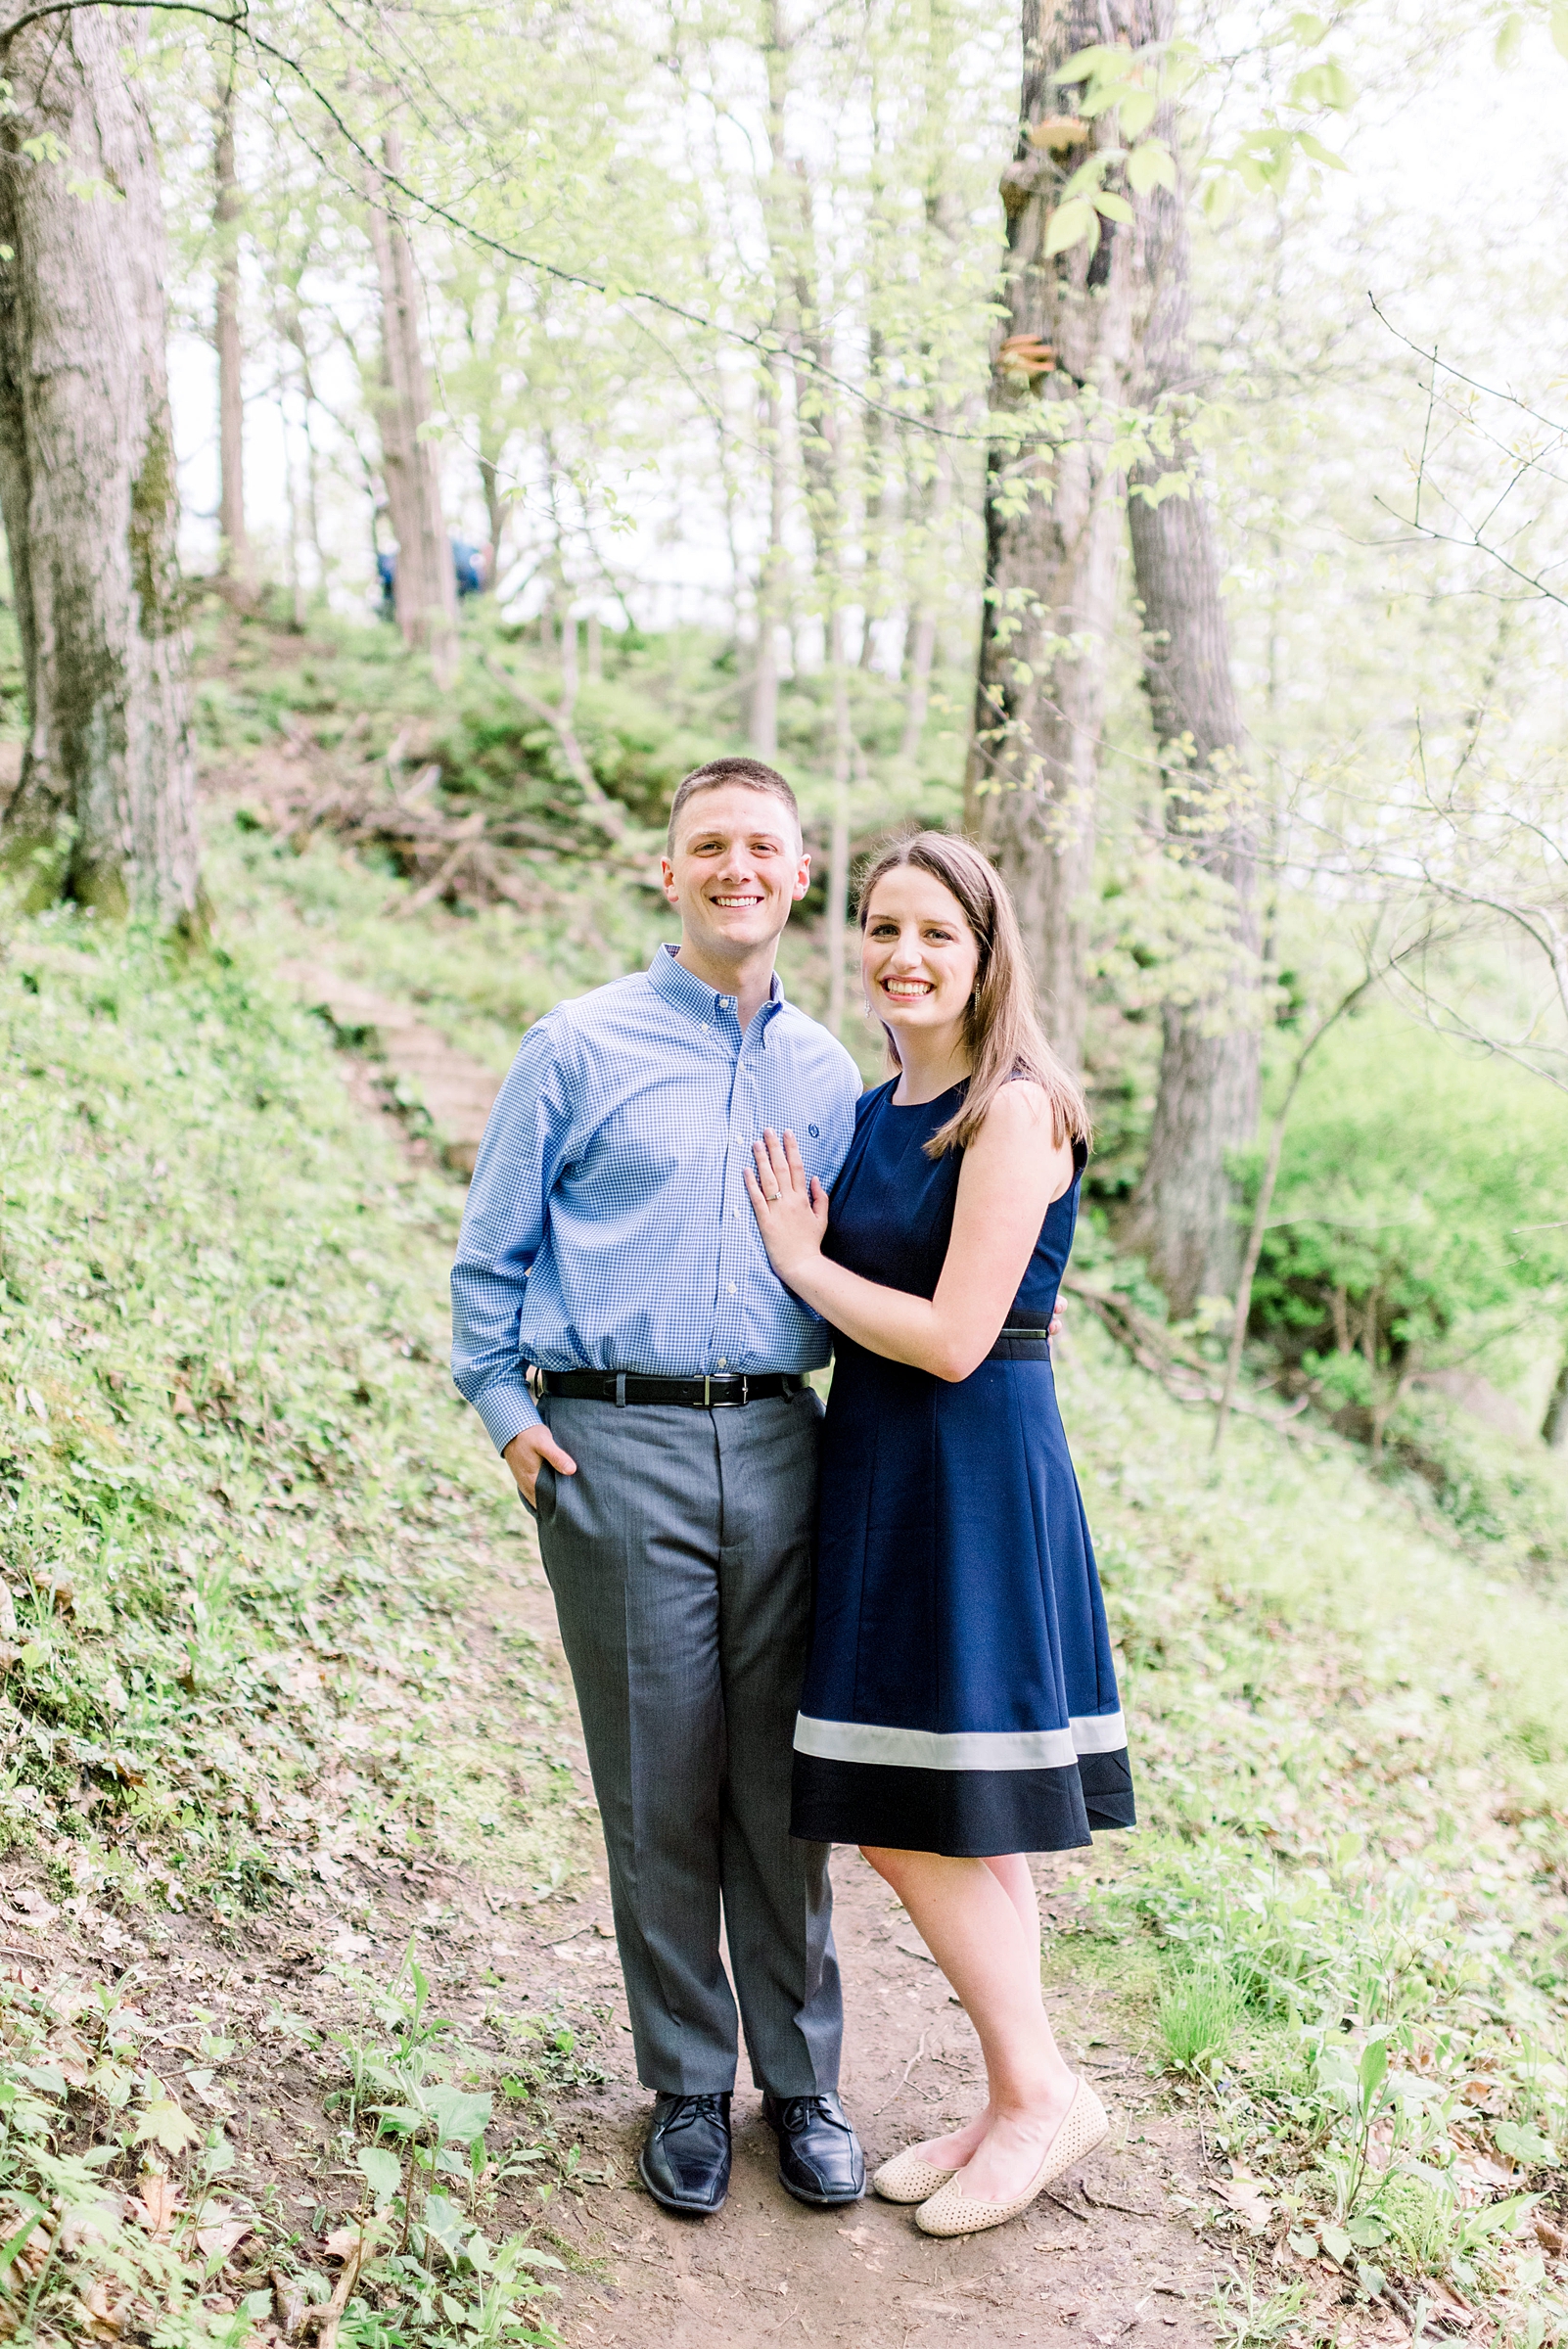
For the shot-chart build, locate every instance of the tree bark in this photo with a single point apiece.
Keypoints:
(1053, 528)
(425, 586)
(236, 563)
(921, 647)
(106, 808)
(771, 584)
(1554, 1426)
(1208, 1099)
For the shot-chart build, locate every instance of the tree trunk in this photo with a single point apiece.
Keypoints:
(105, 809)
(426, 586)
(771, 583)
(235, 561)
(495, 506)
(1554, 1426)
(837, 921)
(1053, 529)
(1206, 1105)
(921, 649)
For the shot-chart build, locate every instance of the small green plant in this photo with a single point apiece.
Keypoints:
(1199, 2010)
(1254, 2319)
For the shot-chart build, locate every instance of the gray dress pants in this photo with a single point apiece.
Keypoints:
(679, 1557)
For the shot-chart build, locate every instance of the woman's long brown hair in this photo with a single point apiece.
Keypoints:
(1001, 1027)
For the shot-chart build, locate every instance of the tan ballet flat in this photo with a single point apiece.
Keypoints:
(908, 2178)
(1085, 2125)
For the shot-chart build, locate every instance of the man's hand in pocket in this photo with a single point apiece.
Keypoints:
(523, 1455)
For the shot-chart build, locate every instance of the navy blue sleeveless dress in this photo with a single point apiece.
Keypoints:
(960, 1695)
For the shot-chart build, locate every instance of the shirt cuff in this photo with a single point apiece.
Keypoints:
(506, 1411)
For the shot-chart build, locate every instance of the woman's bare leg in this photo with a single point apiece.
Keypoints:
(974, 1919)
(1012, 1873)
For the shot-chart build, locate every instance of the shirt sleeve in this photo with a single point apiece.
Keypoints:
(524, 1145)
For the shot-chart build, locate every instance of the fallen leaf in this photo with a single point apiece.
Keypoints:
(91, 2223)
(1248, 2200)
(341, 2241)
(222, 2236)
(106, 2315)
(160, 2201)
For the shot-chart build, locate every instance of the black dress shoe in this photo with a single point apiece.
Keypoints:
(685, 2162)
(819, 2158)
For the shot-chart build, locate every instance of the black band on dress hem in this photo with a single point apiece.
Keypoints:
(962, 1814)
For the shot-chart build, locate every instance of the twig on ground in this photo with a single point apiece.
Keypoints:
(1081, 2216)
(326, 2320)
(1105, 2202)
(907, 2069)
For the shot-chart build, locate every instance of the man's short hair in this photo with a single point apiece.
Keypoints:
(751, 774)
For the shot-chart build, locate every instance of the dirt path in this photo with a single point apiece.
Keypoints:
(1104, 2257)
(767, 2269)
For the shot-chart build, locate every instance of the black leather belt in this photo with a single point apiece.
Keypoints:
(727, 1391)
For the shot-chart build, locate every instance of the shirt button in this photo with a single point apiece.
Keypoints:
(732, 1288)
(722, 1363)
(735, 1211)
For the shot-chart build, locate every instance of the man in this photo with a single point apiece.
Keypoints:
(671, 1464)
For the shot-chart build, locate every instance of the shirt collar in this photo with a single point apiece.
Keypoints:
(682, 988)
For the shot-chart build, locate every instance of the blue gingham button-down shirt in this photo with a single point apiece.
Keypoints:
(607, 1225)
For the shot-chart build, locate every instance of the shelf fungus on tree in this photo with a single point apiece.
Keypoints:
(1058, 133)
(1025, 356)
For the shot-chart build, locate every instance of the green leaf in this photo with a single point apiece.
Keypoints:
(1111, 65)
(445, 2221)
(1113, 207)
(1150, 166)
(1316, 153)
(1523, 2144)
(1307, 30)
(1328, 84)
(1559, 26)
(1511, 32)
(10, 2249)
(1372, 2070)
(44, 2078)
(1070, 224)
(1337, 2243)
(459, 2118)
(162, 2121)
(1368, 2231)
(1137, 112)
(383, 2173)
(1302, 2244)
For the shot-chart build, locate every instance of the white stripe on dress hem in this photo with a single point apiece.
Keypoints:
(962, 1749)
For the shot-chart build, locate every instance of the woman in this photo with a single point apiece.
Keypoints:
(960, 1706)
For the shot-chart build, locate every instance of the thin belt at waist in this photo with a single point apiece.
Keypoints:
(725, 1392)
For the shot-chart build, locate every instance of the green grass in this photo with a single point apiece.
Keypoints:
(237, 1493)
(1199, 2009)
(1350, 1744)
(244, 1520)
(238, 1504)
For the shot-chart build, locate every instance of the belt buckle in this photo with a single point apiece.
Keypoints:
(726, 1407)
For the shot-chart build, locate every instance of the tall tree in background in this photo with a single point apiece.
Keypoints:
(426, 587)
(235, 561)
(1207, 1104)
(105, 809)
(1053, 522)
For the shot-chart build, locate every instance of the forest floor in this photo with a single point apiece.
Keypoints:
(304, 1954)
